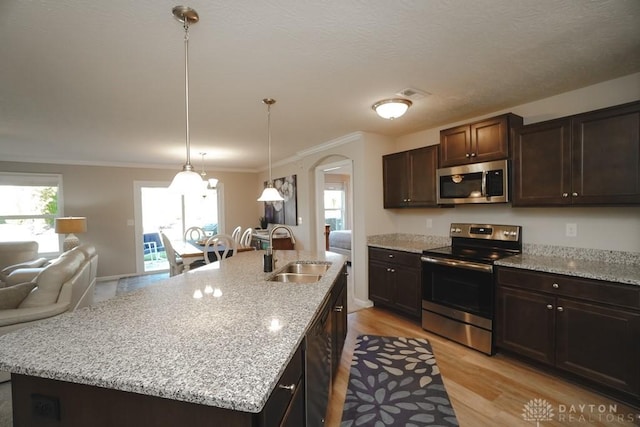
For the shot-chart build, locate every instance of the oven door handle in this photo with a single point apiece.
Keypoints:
(469, 265)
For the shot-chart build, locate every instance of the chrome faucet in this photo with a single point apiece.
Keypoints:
(272, 232)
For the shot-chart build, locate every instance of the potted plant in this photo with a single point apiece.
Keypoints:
(263, 222)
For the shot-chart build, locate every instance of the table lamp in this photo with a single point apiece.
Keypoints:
(69, 226)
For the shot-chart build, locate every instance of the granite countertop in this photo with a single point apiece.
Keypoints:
(219, 350)
(612, 266)
(415, 243)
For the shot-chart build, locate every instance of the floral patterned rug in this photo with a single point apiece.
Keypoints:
(395, 382)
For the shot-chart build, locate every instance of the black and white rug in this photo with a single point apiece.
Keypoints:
(395, 382)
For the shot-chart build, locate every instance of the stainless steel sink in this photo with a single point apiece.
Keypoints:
(306, 268)
(295, 278)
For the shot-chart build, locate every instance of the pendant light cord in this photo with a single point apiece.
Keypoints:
(269, 133)
(186, 91)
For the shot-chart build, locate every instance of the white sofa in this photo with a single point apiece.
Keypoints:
(64, 284)
(15, 255)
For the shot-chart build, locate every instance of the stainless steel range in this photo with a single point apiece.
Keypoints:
(458, 282)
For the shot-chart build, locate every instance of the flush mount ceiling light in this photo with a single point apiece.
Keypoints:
(186, 181)
(391, 108)
(269, 194)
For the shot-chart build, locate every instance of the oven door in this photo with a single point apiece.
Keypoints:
(464, 286)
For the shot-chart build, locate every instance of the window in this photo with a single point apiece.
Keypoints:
(29, 208)
(334, 213)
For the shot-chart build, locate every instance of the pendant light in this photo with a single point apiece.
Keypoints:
(270, 194)
(186, 181)
(210, 183)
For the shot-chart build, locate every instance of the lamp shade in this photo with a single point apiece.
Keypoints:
(270, 194)
(391, 108)
(71, 225)
(186, 182)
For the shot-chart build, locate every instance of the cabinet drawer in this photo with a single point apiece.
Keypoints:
(561, 285)
(280, 398)
(407, 259)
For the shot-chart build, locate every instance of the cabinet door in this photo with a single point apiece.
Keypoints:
(455, 146)
(599, 343)
(395, 180)
(525, 323)
(542, 164)
(490, 139)
(408, 291)
(380, 288)
(423, 163)
(606, 156)
(339, 321)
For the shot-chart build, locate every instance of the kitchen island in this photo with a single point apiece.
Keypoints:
(218, 357)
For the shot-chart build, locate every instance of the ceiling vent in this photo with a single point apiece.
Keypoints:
(413, 94)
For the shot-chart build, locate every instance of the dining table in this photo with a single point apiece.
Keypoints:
(193, 252)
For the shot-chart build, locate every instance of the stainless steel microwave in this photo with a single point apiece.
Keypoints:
(486, 182)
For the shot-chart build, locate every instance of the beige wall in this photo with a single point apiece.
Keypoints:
(105, 196)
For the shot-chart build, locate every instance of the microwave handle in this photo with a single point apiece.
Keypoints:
(484, 183)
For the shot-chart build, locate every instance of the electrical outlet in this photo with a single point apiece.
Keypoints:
(571, 229)
(429, 223)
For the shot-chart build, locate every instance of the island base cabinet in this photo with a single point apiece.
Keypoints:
(41, 402)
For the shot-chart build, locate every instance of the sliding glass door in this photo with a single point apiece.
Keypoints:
(171, 214)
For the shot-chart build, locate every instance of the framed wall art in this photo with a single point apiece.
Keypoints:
(285, 212)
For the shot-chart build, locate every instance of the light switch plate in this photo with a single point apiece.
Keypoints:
(571, 229)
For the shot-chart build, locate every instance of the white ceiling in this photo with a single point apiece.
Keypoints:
(102, 82)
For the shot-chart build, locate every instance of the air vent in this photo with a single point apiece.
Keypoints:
(413, 94)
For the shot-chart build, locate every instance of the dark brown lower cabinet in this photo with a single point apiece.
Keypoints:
(587, 328)
(339, 320)
(395, 280)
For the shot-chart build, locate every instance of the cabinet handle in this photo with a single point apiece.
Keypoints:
(560, 309)
(291, 387)
(467, 155)
(574, 194)
(393, 270)
(549, 307)
(390, 255)
(555, 286)
(565, 194)
(338, 308)
(473, 154)
(408, 200)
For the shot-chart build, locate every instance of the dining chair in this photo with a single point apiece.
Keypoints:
(245, 239)
(236, 234)
(194, 233)
(219, 243)
(176, 266)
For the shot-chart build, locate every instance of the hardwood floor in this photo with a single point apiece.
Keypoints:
(485, 391)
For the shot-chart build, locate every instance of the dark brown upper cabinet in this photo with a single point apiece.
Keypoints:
(586, 159)
(481, 141)
(409, 178)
